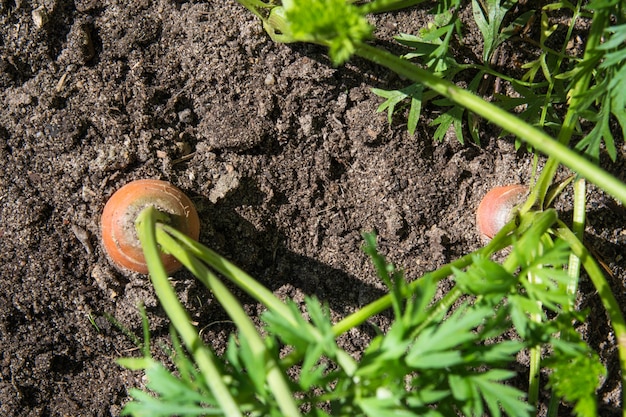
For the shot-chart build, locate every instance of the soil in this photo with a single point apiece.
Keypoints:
(284, 156)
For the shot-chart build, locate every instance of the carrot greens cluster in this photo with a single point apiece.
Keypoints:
(444, 355)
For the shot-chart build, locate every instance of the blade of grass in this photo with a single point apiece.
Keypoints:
(145, 325)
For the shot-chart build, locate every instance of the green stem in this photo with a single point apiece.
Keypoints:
(275, 378)
(439, 309)
(577, 94)
(533, 375)
(553, 406)
(559, 62)
(505, 77)
(573, 267)
(540, 223)
(146, 230)
(233, 273)
(578, 227)
(535, 357)
(611, 305)
(382, 6)
(538, 139)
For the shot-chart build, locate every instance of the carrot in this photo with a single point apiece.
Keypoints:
(496, 208)
(119, 237)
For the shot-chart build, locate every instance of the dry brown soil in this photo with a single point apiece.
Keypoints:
(283, 154)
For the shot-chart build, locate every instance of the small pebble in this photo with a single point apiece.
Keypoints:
(40, 17)
(83, 237)
(270, 79)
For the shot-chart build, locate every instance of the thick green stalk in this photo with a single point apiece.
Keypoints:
(538, 139)
(274, 376)
(146, 230)
(573, 266)
(611, 305)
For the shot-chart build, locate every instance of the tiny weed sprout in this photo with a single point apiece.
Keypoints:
(496, 208)
(119, 237)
